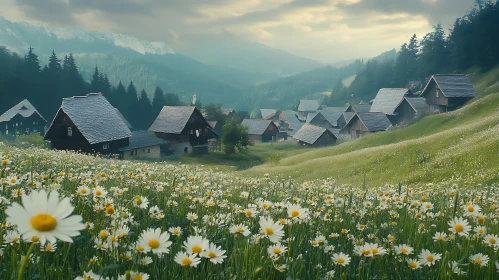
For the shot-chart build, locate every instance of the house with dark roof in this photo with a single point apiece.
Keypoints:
(359, 108)
(261, 131)
(143, 145)
(409, 108)
(306, 107)
(22, 118)
(290, 118)
(230, 113)
(327, 117)
(314, 136)
(387, 100)
(445, 93)
(343, 119)
(184, 127)
(269, 114)
(89, 124)
(362, 124)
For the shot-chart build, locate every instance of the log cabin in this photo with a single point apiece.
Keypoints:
(185, 129)
(261, 131)
(444, 93)
(314, 136)
(387, 100)
(23, 118)
(362, 124)
(409, 108)
(88, 124)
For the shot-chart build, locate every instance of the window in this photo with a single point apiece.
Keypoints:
(186, 150)
(17, 124)
(70, 131)
(131, 153)
(34, 123)
(105, 146)
(437, 92)
(148, 151)
(27, 130)
(7, 132)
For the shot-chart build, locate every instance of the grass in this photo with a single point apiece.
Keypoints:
(459, 144)
(348, 80)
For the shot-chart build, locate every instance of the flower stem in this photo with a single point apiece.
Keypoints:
(24, 261)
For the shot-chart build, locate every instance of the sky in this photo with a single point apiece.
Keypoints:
(324, 30)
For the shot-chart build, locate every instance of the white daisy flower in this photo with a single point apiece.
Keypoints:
(240, 229)
(428, 258)
(479, 259)
(155, 241)
(413, 264)
(341, 259)
(196, 245)
(184, 259)
(214, 253)
(274, 231)
(459, 226)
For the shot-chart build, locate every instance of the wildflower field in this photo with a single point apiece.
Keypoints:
(71, 216)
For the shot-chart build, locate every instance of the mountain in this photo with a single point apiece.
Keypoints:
(228, 50)
(125, 58)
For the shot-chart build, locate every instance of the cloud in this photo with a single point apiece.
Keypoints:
(110, 6)
(56, 11)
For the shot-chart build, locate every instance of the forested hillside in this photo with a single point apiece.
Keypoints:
(472, 42)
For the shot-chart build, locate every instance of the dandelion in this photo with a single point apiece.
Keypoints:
(196, 245)
(274, 231)
(155, 241)
(428, 258)
(184, 259)
(479, 259)
(459, 226)
(214, 253)
(341, 259)
(45, 217)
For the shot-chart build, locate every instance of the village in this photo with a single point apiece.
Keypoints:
(90, 124)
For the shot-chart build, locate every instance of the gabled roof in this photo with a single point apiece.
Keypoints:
(308, 105)
(418, 104)
(452, 85)
(339, 136)
(309, 133)
(23, 108)
(332, 114)
(142, 139)
(359, 108)
(311, 116)
(123, 118)
(95, 118)
(173, 119)
(374, 121)
(388, 99)
(256, 127)
(290, 117)
(347, 116)
(267, 113)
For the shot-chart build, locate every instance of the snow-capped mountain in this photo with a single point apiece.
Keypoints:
(20, 36)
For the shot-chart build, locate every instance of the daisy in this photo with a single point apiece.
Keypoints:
(413, 263)
(403, 249)
(428, 258)
(196, 245)
(155, 241)
(99, 192)
(141, 202)
(480, 230)
(145, 261)
(341, 259)
(175, 230)
(49, 247)
(480, 259)
(90, 275)
(491, 240)
(240, 229)
(13, 180)
(440, 236)
(214, 253)
(454, 266)
(191, 216)
(274, 231)
(184, 259)
(12, 237)
(297, 213)
(277, 250)
(459, 226)
(83, 190)
(45, 217)
(134, 276)
(471, 210)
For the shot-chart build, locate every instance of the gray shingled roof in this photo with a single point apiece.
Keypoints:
(309, 133)
(388, 99)
(348, 116)
(23, 108)
(95, 118)
(418, 104)
(332, 114)
(267, 113)
(374, 121)
(172, 119)
(142, 139)
(311, 116)
(256, 127)
(339, 136)
(291, 118)
(361, 108)
(308, 105)
(123, 118)
(454, 85)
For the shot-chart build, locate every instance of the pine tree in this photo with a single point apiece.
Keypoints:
(144, 111)
(32, 63)
(158, 101)
(95, 84)
(54, 64)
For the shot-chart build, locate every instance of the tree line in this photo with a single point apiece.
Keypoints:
(24, 78)
(472, 41)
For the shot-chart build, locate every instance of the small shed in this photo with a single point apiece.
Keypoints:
(409, 107)
(314, 136)
(387, 100)
(89, 124)
(22, 118)
(362, 124)
(261, 131)
(445, 93)
(307, 106)
(143, 145)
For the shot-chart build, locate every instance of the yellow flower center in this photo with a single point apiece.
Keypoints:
(191, 217)
(35, 238)
(103, 234)
(413, 264)
(43, 222)
(176, 231)
(249, 213)
(84, 191)
(196, 249)
(471, 209)
(340, 260)
(492, 240)
(277, 251)
(429, 258)
(295, 213)
(269, 231)
(375, 250)
(458, 228)
(365, 252)
(404, 250)
(315, 243)
(138, 201)
(48, 248)
(139, 248)
(153, 243)
(478, 260)
(13, 180)
(137, 277)
(98, 192)
(186, 261)
(212, 255)
(15, 239)
(110, 210)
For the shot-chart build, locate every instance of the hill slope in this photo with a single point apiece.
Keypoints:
(460, 144)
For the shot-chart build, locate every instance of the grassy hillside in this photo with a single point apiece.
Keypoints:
(462, 145)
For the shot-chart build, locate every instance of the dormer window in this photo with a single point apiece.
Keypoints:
(70, 131)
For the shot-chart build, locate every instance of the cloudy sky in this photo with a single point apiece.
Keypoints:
(325, 30)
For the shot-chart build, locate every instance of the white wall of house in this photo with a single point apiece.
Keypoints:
(148, 152)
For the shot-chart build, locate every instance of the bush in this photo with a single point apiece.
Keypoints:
(235, 136)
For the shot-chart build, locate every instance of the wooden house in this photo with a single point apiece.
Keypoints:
(231, 113)
(387, 100)
(22, 118)
(364, 123)
(409, 107)
(327, 117)
(143, 145)
(89, 124)
(306, 107)
(343, 119)
(293, 124)
(269, 114)
(261, 131)
(185, 129)
(359, 108)
(215, 143)
(314, 136)
(445, 93)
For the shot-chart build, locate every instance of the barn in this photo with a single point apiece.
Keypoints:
(444, 93)
(387, 100)
(409, 108)
(261, 131)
